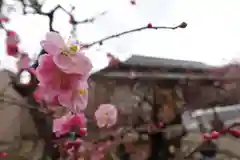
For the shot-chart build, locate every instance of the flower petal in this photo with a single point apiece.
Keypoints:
(78, 64)
(59, 124)
(45, 64)
(80, 102)
(63, 62)
(65, 99)
(56, 39)
(82, 64)
(106, 115)
(50, 47)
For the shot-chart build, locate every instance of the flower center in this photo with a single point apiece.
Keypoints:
(74, 48)
(82, 91)
(70, 51)
(105, 116)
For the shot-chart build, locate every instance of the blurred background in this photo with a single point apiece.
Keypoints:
(212, 35)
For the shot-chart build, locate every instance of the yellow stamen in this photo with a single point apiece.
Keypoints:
(64, 53)
(82, 91)
(73, 49)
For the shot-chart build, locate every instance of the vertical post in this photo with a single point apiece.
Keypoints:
(154, 106)
(156, 139)
(217, 123)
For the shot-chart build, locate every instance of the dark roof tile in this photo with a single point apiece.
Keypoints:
(164, 62)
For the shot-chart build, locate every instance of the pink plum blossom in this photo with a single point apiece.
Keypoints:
(12, 41)
(23, 61)
(76, 100)
(65, 124)
(99, 149)
(66, 56)
(38, 95)
(106, 115)
(53, 81)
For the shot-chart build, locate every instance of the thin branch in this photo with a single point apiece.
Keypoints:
(73, 21)
(149, 26)
(144, 96)
(37, 7)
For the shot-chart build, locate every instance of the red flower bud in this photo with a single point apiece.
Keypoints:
(12, 50)
(83, 131)
(3, 18)
(133, 2)
(75, 144)
(3, 154)
(149, 25)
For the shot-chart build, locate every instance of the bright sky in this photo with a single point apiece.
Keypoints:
(213, 31)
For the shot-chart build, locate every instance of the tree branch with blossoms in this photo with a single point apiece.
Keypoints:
(67, 84)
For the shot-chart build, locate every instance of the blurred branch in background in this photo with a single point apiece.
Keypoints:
(36, 7)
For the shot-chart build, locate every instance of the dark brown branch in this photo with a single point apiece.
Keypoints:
(1, 6)
(149, 26)
(73, 21)
(37, 7)
(145, 98)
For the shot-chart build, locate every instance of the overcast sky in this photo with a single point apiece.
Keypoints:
(212, 35)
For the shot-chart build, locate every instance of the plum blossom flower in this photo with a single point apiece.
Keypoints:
(113, 61)
(23, 61)
(38, 95)
(53, 81)
(12, 41)
(67, 123)
(66, 56)
(97, 155)
(99, 150)
(76, 100)
(106, 115)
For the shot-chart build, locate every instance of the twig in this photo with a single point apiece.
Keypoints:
(224, 130)
(132, 31)
(75, 22)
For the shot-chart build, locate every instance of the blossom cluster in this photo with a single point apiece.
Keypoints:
(63, 74)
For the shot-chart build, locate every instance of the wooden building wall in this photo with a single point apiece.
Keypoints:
(120, 95)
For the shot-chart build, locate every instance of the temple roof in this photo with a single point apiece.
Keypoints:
(144, 61)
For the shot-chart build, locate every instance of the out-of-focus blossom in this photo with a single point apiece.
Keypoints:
(12, 41)
(3, 18)
(53, 81)
(69, 122)
(113, 61)
(106, 115)
(66, 56)
(97, 156)
(73, 143)
(133, 2)
(99, 150)
(3, 154)
(23, 62)
(77, 99)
